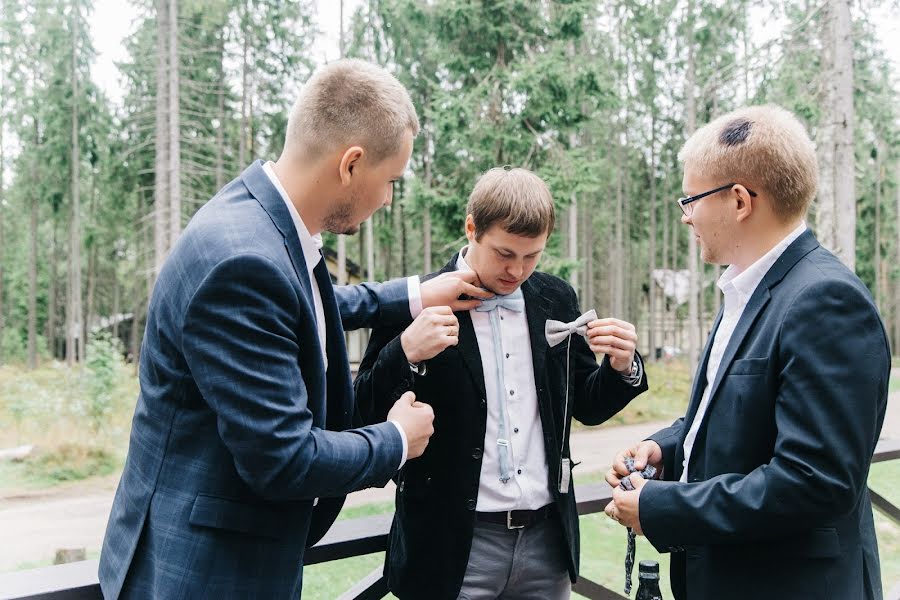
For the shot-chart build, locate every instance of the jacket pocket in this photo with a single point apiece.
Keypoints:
(242, 517)
(749, 366)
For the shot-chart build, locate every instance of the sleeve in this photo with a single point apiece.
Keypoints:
(383, 376)
(374, 304)
(600, 391)
(832, 385)
(668, 442)
(240, 343)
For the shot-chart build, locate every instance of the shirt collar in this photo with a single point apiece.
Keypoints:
(461, 264)
(311, 244)
(744, 283)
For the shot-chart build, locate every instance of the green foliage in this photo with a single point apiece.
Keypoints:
(103, 370)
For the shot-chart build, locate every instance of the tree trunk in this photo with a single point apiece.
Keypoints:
(844, 159)
(245, 73)
(161, 141)
(174, 129)
(693, 324)
(651, 251)
(426, 209)
(897, 283)
(876, 259)
(220, 130)
(836, 194)
(74, 310)
(341, 239)
(90, 304)
(32, 278)
(52, 293)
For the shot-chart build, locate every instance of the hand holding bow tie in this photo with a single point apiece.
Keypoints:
(614, 338)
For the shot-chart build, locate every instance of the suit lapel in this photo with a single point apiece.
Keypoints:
(700, 381)
(259, 184)
(338, 397)
(537, 311)
(468, 343)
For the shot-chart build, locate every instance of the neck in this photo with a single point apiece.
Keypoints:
(302, 182)
(759, 243)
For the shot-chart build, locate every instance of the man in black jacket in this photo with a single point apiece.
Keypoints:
(489, 510)
(764, 492)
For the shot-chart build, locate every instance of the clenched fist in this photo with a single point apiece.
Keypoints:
(417, 421)
(435, 329)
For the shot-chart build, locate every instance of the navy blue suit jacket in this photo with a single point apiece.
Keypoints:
(238, 427)
(777, 505)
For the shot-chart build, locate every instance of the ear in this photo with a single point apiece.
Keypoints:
(351, 157)
(744, 201)
(470, 228)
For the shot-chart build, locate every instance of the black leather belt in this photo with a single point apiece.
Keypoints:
(516, 519)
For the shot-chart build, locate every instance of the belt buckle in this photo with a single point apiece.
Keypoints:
(509, 524)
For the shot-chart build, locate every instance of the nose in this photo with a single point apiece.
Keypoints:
(686, 219)
(390, 197)
(515, 270)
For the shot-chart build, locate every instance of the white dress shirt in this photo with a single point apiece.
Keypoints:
(311, 244)
(737, 287)
(527, 488)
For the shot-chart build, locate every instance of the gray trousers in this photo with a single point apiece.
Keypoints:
(517, 564)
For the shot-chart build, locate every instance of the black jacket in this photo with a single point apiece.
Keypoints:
(431, 535)
(777, 504)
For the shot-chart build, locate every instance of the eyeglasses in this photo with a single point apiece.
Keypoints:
(685, 203)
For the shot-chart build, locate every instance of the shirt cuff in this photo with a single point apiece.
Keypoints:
(637, 373)
(415, 296)
(405, 443)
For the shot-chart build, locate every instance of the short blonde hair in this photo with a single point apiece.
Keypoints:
(762, 147)
(347, 102)
(515, 199)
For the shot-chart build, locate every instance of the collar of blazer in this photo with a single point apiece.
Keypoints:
(802, 246)
(260, 186)
(537, 311)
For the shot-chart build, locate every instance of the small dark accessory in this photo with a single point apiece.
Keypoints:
(648, 473)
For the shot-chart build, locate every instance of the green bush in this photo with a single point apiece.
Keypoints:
(103, 368)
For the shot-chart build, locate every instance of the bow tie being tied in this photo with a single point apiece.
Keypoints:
(514, 302)
(557, 331)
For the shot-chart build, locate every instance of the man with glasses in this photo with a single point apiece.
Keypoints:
(763, 489)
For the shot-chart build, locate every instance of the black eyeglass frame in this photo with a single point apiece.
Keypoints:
(683, 202)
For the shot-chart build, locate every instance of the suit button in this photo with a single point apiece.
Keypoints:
(483, 401)
(470, 504)
(476, 453)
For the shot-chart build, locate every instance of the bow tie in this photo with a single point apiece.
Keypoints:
(514, 302)
(557, 331)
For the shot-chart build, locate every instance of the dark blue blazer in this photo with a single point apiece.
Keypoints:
(777, 504)
(238, 427)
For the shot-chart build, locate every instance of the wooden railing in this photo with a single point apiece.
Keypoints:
(354, 537)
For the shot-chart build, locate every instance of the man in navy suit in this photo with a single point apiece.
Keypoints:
(241, 447)
(764, 480)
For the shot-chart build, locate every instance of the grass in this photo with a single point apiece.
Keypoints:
(56, 409)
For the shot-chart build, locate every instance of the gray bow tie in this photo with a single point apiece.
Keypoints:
(557, 331)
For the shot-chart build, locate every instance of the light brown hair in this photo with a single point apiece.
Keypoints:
(351, 102)
(763, 148)
(517, 200)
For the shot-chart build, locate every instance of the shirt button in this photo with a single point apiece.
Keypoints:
(516, 430)
(507, 355)
(512, 392)
(519, 471)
